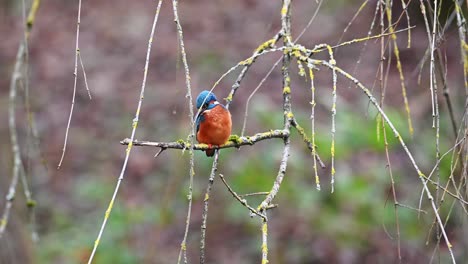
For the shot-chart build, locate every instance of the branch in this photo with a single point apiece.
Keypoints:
(308, 142)
(234, 141)
(134, 127)
(288, 117)
(214, 168)
(242, 201)
(191, 137)
(269, 44)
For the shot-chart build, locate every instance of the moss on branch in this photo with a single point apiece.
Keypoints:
(234, 141)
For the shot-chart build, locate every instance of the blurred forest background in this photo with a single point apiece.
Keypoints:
(355, 224)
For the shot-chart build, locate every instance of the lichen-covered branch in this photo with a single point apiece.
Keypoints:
(234, 141)
(288, 117)
(180, 34)
(242, 201)
(309, 142)
(269, 44)
(75, 74)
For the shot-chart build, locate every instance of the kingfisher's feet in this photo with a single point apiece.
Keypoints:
(211, 146)
(211, 150)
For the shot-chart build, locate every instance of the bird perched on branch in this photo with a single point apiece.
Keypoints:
(213, 122)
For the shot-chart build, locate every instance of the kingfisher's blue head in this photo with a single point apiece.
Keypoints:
(204, 99)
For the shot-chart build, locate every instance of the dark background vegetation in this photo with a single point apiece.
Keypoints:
(356, 224)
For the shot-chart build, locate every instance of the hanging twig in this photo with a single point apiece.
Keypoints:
(183, 244)
(75, 74)
(214, 168)
(18, 167)
(242, 201)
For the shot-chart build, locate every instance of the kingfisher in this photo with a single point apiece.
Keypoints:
(213, 121)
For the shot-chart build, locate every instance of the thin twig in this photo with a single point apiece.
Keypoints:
(18, 167)
(396, 52)
(214, 168)
(14, 141)
(410, 208)
(387, 154)
(333, 111)
(310, 143)
(435, 168)
(180, 34)
(369, 32)
(242, 201)
(269, 44)
(367, 38)
(134, 127)
(356, 14)
(462, 29)
(253, 194)
(434, 101)
(312, 120)
(24, 171)
(247, 104)
(75, 74)
(264, 240)
(84, 76)
(446, 93)
(431, 72)
(405, 10)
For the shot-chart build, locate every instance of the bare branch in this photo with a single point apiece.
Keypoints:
(18, 168)
(214, 168)
(75, 74)
(242, 201)
(134, 127)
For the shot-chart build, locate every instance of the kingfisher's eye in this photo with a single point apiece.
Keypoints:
(205, 106)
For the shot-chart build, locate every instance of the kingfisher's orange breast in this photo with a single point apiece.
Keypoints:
(215, 129)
